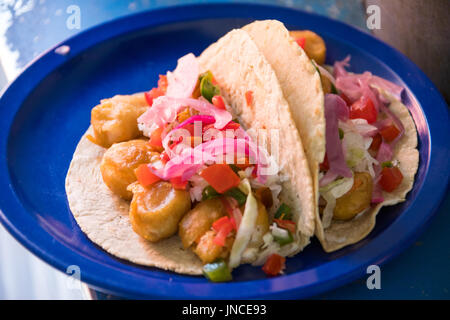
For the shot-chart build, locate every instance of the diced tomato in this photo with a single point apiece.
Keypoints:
(363, 109)
(153, 94)
(207, 127)
(223, 226)
(155, 137)
(301, 42)
(376, 143)
(325, 166)
(241, 162)
(233, 222)
(233, 211)
(175, 143)
(157, 92)
(218, 102)
(213, 80)
(219, 223)
(227, 205)
(178, 184)
(221, 177)
(148, 98)
(190, 127)
(164, 156)
(163, 83)
(389, 132)
(145, 176)
(286, 224)
(391, 178)
(249, 97)
(231, 125)
(346, 99)
(274, 264)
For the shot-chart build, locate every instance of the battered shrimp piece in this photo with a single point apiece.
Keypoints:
(314, 45)
(155, 211)
(120, 160)
(115, 119)
(357, 199)
(208, 251)
(199, 220)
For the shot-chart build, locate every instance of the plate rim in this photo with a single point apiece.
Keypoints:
(279, 287)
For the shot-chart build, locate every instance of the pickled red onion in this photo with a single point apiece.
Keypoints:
(335, 109)
(190, 161)
(182, 81)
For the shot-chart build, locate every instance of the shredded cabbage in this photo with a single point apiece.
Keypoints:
(330, 193)
(354, 148)
(327, 214)
(278, 232)
(246, 228)
(338, 187)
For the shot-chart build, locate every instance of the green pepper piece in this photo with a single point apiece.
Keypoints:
(209, 193)
(387, 164)
(217, 271)
(283, 212)
(238, 195)
(235, 168)
(207, 89)
(333, 89)
(284, 240)
(341, 134)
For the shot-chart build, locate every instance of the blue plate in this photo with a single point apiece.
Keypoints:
(44, 112)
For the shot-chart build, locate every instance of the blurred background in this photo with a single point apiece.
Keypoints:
(417, 28)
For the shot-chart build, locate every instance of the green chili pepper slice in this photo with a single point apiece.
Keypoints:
(207, 89)
(238, 195)
(284, 212)
(235, 168)
(387, 164)
(209, 193)
(341, 134)
(283, 240)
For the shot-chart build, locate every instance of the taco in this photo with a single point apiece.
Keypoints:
(360, 140)
(178, 177)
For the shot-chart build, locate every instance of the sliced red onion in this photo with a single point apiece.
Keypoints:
(387, 86)
(221, 116)
(182, 81)
(398, 123)
(377, 194)
(204, 119)
(164, 110)
(339, 67)
(365, 129)
(176, 133)
(356, 85)
(191, 160)
(335, 109)
(384, 153)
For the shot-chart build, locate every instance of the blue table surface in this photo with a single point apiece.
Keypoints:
(28, 28)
